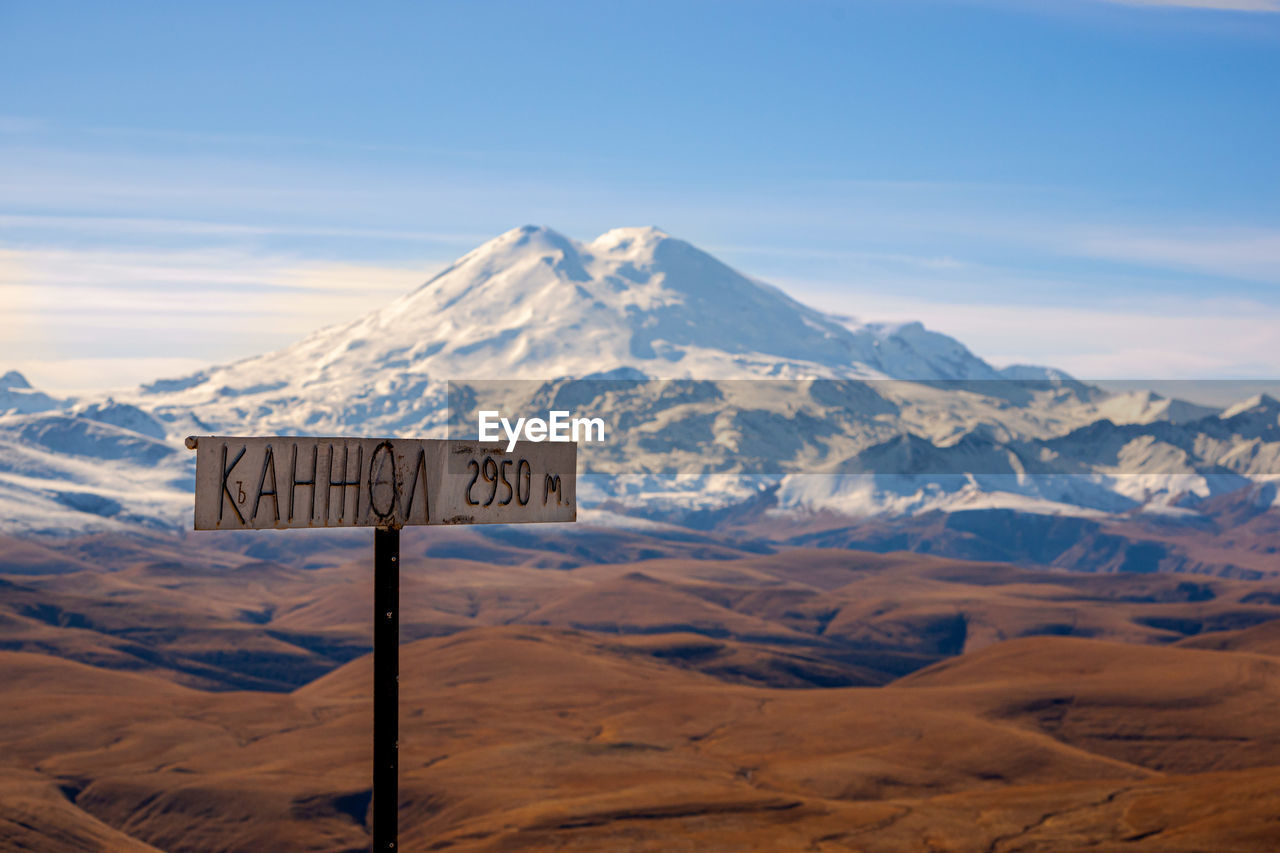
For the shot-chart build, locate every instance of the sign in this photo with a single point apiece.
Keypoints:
(385, 483)
(296, 482)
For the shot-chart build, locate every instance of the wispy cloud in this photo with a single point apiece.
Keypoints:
(146, 227)
(262, 139)
(86, 376)
(1220, 5)
(68, 308)
(21, 124)
(928, 262)
(1175, 338)
(1250, 254)
(157, 274)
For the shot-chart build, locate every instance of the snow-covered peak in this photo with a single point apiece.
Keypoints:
(910, 351)
(518, 241)
(122, 415)
(628, 239)
(1258, 404)
(1144, 407)
(1034, 373)
(534, 304)
(18, 397)
(14, 379)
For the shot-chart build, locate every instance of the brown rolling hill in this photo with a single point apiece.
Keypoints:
(1261, 639)
(819, 617)
(168, 694)
(540, 738)
(1235, 537)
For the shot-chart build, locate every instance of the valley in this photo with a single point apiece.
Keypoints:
(164, 694)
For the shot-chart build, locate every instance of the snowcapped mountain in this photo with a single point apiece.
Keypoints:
(945, 428)
(534, 304)
(17, 396)
(1144, 407)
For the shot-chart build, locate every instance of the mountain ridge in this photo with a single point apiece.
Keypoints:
(636, 303)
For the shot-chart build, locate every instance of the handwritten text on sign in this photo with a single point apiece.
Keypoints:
(278, 482)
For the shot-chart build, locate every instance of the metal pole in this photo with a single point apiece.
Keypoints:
(386, 687)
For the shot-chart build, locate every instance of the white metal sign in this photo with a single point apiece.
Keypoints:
(281, 482)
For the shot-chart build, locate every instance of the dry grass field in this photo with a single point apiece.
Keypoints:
(174, 699)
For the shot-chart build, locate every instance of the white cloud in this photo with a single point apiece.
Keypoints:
(149, 227)
(85, 376)
(81, 318)
(1154, 339)
(1252, 254)
(157, 274)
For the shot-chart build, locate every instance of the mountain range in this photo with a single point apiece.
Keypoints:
(712, 658)
(864, 420)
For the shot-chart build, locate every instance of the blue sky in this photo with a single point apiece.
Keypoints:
(1083, 183)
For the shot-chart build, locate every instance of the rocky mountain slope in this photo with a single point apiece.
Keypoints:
(698, 369)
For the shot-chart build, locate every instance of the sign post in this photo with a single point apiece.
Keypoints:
(386, 685)
(279, 482)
